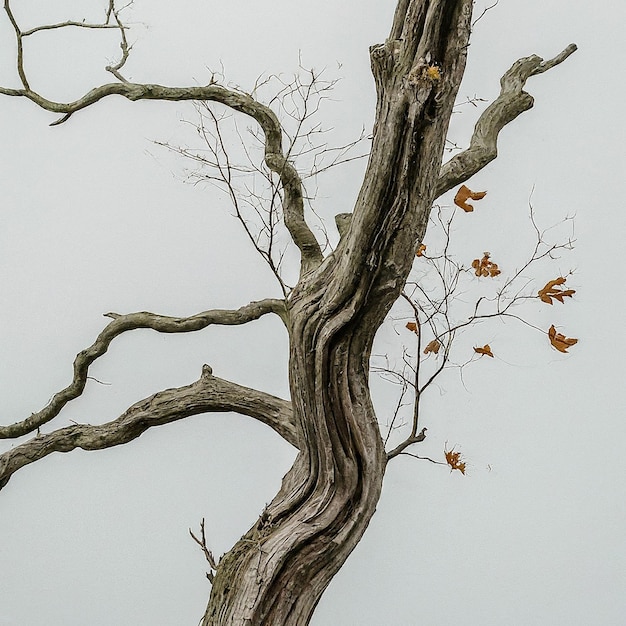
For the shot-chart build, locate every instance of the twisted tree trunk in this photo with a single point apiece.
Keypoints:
(278, 571)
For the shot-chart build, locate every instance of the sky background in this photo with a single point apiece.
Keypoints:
(95, 217)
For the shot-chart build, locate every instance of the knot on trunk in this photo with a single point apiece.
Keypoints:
(342, 221)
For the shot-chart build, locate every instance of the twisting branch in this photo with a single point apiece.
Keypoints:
(275, 158)
(511, 103)
(209, 394)
(133, 321)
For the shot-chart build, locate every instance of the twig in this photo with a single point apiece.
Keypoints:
(208, 555)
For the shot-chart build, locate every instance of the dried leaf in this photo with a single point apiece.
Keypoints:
(433, 346)
(551, 291)
(412, 326)
(453, 459)
(432, 72)
(484, 350)
(421, 250)
(560, 342)
(485, 267)
(464, 194)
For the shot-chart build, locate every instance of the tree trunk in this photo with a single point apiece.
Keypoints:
(276, 574)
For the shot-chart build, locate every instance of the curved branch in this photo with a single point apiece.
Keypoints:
(133, 321)
(207, 395)
(276, 160)
(511, 102)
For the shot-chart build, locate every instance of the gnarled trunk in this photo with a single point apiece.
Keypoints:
(277, 572)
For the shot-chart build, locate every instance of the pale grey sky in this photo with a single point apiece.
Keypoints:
(95, 218)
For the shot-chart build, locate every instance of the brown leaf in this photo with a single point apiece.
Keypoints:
(421, 250)
(433, 346)
(464, 194)
(453, 459)
(485, 267)
(484, 350)
(551, 291)
(412, 326)
(560, 342)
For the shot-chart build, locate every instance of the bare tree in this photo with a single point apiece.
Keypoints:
(278, 571)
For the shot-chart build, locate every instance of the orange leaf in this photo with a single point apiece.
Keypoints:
(433, 346)
(412, 326)
(464, 194)
(560, 342)
(484, 350)
(551, 291)
(453, 459)
(485, 267)
(421, 250)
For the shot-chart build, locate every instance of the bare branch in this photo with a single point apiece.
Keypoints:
(276, 159)
(66, 24)
(409, 441)
(207, 395)
(20, 45)
(511, 102)
(213, 163)
(293, 204)
(133, 321)
(115, 69)
(106, 25)
(491, 6)
(208, 555)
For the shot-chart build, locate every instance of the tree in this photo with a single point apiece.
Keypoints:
(278, 571)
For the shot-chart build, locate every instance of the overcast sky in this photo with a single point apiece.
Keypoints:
(97, 218)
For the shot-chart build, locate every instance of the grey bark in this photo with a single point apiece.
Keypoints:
(278, 571)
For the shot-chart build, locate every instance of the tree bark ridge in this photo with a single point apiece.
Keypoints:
(278, 571)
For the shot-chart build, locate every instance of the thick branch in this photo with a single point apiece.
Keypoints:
(133, 321)
(511, 102)
(207, 395)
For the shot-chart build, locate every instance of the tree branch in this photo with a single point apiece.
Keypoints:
(133, 321)
(293, 204)
(207, 395)
(511, 102)
(275, 157)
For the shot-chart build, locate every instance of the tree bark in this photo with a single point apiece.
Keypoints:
(278, 571)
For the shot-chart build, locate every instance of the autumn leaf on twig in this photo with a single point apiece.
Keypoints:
(484, 350)
(551, 291)
(464, 194)
(453, 459)
(560, 342)
(420, 251)
(412, 326)
(432, 346)
(485, 267)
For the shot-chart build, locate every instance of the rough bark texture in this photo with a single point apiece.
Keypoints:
(278, 571)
